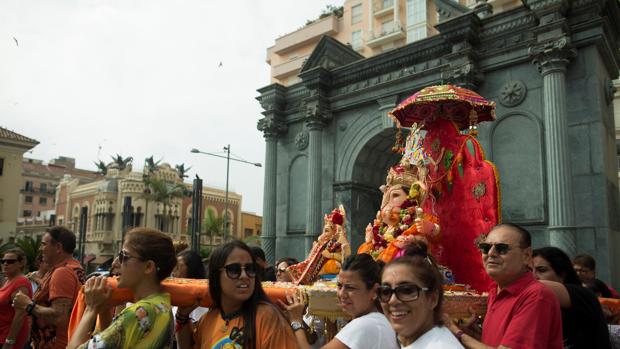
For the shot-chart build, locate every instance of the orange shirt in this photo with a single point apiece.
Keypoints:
(64, 281)
(272, 330)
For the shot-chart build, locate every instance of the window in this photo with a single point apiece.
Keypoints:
(1, 165)
(416, 12)
(43, 187)
(415, 34)
(28, 199)
(29, 186)
(387, 3)
(42, 201)
(387, 27)
(247, 232)
(356, 39)
(356, 13)
(27, 213)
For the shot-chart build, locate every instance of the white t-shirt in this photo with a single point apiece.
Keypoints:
(371, 331)
(436, 338)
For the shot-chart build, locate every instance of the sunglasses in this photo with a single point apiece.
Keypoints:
(234, 270)
(124, 256)
(500, 248)
(404, 293)
(9, 261)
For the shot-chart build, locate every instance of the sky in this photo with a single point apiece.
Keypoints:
(90, 79)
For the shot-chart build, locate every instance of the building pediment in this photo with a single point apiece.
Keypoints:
(330, 53)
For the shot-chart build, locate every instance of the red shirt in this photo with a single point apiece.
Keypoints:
(7, 312)
(524, 315)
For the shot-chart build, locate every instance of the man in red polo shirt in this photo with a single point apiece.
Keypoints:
(521, 312)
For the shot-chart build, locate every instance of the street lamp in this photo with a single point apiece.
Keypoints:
(228, 158)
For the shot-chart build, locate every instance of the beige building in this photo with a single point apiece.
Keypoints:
(368, 26)
(251, 224)
(12, 149)
(102, 203)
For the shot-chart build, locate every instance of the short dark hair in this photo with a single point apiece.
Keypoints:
(585, 260)
(258, 252)
(64, 236)
(559, 262)
(195, 268)
(21, 256)
(151, 244)
(289, 260)
(526, 237)
(424, 268)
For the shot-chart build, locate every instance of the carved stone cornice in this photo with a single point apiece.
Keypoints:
(553, 55)
(543, 7)
(464, 28)
(466, 75)
(272, 98)
(447, 9)
(271, 126)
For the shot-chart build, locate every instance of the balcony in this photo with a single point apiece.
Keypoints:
(301, 37)
(287, 68)
(387, 35)
(384, 8)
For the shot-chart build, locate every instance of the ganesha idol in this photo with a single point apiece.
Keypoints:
(327, 253)
(401, 218)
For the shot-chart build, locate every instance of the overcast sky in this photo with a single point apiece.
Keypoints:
(93, 78)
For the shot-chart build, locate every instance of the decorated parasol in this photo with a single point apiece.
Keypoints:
(462, 106)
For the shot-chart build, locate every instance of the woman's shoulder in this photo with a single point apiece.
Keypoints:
(267, 310)
(157, 303)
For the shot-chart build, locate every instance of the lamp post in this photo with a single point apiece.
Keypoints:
(228, 159)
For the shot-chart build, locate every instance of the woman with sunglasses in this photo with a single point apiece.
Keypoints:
(147, 257)
(281, 274)
(583, 322)
(358, 282)
(411, 295)
(242, 316)
(14, 325)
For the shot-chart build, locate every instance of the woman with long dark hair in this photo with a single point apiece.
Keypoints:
(242, 316)
(358, 282)
(583, 322)
(189, 266)
(146, 258)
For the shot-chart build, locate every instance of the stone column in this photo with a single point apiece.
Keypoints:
(552, 59)
(313, 210)
(272, 126)
(268, 234)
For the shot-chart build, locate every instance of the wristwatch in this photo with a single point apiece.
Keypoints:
(296, 325)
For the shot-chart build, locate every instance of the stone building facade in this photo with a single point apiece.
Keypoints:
(549, 65)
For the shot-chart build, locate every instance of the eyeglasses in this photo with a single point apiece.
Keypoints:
(9, 261)
(234, 270)
(124, 256)
(404, 293)
(500, 248)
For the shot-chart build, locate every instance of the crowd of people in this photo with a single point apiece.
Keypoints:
(539, 299)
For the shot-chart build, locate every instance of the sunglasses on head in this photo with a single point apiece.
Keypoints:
(234, 270)
(9, 261)
(500, 248)
(124, 256)
(404, 293)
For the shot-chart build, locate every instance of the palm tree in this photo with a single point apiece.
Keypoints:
(28, 244)
(163, 192)
(181, 171)
(121, 162)
(102, 168)
(212, 224)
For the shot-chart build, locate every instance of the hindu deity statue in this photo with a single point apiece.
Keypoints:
(327, 253)
(402, 218)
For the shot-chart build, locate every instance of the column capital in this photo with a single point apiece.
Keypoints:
(317, 114)
(553, 55)
(271, 126)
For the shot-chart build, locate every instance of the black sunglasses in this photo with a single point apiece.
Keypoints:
(404, 293)
(234, 270)
(9, 261)
(124, 256)
(500, 248)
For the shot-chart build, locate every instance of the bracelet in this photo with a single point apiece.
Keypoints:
(459, 335)
(181, 319)
(30, 308)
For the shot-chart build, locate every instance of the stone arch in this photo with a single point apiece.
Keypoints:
(521, 166)
(297, 194)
